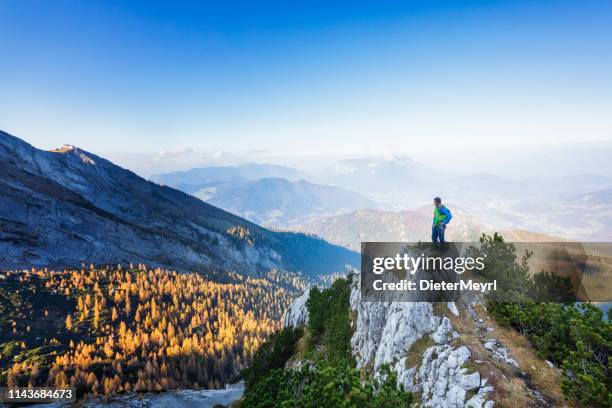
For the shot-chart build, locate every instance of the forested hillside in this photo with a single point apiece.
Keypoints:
(113, 330)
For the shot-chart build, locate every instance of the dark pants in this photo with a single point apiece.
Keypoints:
(437, 233)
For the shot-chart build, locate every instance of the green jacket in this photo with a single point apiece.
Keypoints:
(442, 216)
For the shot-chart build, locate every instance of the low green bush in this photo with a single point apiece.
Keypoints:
(575, 336)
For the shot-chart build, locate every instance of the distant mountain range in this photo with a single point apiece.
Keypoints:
(60, 208)
(349, 230)
(266, 194)
(195, 180)
(574, 207)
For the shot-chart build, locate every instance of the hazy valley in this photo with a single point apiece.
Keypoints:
(390, 198)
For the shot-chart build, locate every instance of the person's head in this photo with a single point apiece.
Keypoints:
(437, 201)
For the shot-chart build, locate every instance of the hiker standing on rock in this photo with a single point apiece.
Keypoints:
(441, 218)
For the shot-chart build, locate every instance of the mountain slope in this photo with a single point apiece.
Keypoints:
(69, 206)
(279, 202)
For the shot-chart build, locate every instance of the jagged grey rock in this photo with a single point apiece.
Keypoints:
(444, 333)
(499, 352)
(479, 400)
(385, 330)
(297, 314)
(384, 334)
(444, 380)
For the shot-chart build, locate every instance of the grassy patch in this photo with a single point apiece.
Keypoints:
(303, 347)
(511, 394)
(414, 357)
(545, 379)
(471, 366)
(440, 309)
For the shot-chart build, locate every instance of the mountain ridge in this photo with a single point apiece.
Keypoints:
(63, 207)
(192, 180)
(269, 195)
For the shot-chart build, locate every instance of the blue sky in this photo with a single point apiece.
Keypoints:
(310, 78)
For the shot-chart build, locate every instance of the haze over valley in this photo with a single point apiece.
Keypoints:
(386, 192)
